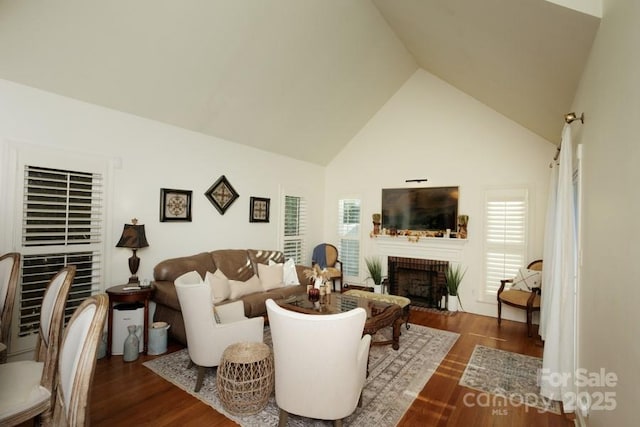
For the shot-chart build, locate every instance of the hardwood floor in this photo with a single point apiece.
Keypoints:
(127, 394)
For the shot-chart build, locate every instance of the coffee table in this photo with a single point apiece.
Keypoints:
(379, 314)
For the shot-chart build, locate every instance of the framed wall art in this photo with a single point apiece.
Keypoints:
(175, 205)
(221, 194)
(259, 209)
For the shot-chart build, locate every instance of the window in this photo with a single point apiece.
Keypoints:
(349, 235)
(295, 216)
(506, 237)
(61, 225)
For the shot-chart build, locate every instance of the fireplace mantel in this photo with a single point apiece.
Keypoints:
(437, 248)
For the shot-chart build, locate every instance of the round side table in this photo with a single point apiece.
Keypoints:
(120, 294)
(245, 377)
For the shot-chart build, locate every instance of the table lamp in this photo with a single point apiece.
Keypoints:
(133, 237)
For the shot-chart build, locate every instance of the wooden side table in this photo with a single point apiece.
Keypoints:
(120, 294)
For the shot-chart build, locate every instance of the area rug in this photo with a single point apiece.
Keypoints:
(510, 375)
(395, 379)
(433, 310)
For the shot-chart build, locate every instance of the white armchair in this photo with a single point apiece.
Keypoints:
(329, 352)
(206, 338)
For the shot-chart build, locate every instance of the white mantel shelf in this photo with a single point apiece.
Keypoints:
(437, 248)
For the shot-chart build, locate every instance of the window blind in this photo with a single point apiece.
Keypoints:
(61, 225)
(349, 234)
(506, 239)
(295, 218)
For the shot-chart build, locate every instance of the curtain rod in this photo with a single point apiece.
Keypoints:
(568, 118)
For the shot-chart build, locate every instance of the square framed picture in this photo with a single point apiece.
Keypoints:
(259, 209)
(175, 205)
(221, 194)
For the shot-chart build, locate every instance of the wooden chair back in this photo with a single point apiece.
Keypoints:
(77, 362)
(9, 274)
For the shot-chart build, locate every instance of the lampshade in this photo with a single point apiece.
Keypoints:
(133, 237)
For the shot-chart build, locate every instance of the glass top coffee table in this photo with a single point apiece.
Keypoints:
(379, 314)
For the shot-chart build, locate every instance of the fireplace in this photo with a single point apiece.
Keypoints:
(420, 280)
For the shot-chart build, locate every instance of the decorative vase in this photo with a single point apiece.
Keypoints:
(102, 346)
(452, 303)
(463, 223)
(132, 343)
(318, 283)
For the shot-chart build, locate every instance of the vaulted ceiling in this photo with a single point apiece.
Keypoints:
(295, 77)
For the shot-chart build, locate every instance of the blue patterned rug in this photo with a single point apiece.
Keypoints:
(395, 379)
(511, 376)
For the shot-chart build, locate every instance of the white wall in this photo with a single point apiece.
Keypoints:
(609, 318)
(147, 156)
(429, 129)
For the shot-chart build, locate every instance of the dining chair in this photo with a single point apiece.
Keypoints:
(77, 362)
(9, 274)
(27, 387)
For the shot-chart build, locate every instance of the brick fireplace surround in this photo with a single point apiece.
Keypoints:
(421, 280)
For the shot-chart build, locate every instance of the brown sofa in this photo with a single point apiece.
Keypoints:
(236, 264)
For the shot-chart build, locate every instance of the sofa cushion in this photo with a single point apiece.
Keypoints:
(220, 288)
(270, 276)
(234, 263)
(261, 256)
(241, 288)
(254, 304)
(290, 273)
(171, 269)
(164, 293)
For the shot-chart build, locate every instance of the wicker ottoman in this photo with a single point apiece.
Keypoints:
(245, 377)
(403, 302)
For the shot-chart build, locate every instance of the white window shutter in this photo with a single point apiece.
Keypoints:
(506, 237)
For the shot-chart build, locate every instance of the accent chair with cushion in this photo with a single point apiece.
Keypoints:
(524, 292)
(27, 387)
(211, 329)
(320, 362)
(9, 273)
(326, 256)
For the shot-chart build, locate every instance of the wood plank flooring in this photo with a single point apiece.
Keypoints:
(128, 394)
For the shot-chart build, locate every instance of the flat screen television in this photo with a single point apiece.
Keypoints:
(427, 208)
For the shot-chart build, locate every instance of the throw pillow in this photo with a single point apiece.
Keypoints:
(290, 275)
(219, 283)
(527, 279)
(270, 276)
(239, 288)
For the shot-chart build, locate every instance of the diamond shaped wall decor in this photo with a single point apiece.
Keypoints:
(221, 194)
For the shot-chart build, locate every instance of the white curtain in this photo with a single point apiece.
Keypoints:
(558, 286)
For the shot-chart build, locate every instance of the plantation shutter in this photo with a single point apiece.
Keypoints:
(349, 235)
(506, 239)
(295, 219)
(61, 225)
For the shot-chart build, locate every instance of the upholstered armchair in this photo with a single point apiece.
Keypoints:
(26, 389)
(207, 337)
(320, 362)
(9, 272)
(524, 298)
(325, 255)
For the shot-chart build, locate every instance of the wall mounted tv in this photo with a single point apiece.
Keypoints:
(428, 208)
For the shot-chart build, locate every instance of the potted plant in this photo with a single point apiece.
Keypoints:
(374, 266)
(454, 276)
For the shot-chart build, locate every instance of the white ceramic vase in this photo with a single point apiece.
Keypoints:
(452, 304)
